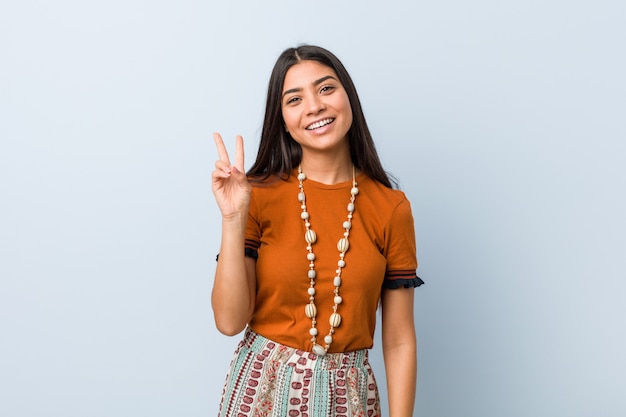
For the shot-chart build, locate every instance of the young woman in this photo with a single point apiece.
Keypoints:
(314, 238)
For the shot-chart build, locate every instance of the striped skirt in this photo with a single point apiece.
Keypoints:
(269, 379)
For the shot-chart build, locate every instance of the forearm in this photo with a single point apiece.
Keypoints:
(399, 350)
(233, 288)
(401, 372)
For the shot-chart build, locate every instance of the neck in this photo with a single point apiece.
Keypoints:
(327, 169)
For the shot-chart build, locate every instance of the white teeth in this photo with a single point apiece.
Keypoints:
(319, 124)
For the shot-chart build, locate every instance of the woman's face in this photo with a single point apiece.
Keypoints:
(315, 107)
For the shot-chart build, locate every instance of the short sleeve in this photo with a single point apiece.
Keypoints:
(400, 249)
(253, 230)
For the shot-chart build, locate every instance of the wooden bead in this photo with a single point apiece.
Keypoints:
(310, 236)
(310, 310)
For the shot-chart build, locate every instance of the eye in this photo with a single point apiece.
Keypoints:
(292, 100)
(327, 88)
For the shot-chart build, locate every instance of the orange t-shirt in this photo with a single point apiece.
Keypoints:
(382, 250)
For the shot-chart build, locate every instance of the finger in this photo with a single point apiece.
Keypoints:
(221, 149)
(222, 166)
(219, 174)
(239, 154)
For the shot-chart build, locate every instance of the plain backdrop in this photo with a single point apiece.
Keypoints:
(503, 120)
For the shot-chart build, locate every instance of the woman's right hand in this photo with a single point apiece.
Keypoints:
(229, 183)
(234, 287)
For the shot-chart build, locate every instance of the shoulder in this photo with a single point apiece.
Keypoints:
(272, 192)
(270, 184)
(384, 198)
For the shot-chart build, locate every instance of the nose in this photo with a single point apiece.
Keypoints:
(316, 104)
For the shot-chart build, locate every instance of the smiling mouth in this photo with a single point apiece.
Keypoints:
(319, 124)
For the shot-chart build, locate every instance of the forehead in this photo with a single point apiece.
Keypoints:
(306, 73)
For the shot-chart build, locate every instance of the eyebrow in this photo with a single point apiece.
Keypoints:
(315, 83)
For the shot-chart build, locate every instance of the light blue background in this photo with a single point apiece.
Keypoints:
(504, 121)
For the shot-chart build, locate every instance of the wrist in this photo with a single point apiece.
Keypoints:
(236, 217)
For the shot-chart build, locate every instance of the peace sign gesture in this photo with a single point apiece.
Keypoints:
(230, 185)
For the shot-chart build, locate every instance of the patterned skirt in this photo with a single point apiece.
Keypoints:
(269, 379)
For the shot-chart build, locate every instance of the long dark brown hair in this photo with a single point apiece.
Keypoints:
(279, 153)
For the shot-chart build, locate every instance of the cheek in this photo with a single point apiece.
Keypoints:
(288, 117)
(346, 106)
(348, 111)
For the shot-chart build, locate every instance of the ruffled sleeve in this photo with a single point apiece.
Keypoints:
(400, 249)
(401, 279)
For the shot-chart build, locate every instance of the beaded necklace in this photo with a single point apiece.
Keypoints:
(342, 246)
